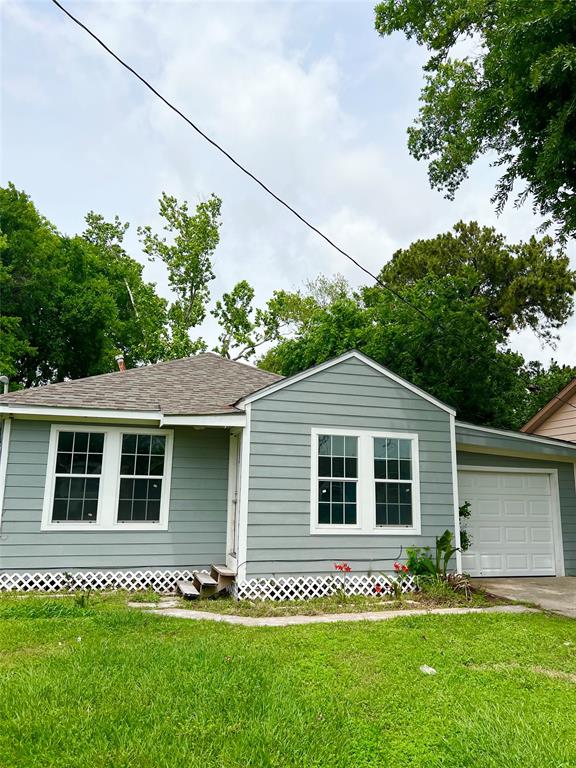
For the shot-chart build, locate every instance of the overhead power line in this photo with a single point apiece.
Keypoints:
(239, 165)
(249, 173)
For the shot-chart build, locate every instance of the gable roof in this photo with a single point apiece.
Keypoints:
(353, 354)
(551, 407)
(202, 384)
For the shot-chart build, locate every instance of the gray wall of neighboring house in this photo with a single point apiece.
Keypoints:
(566, 487)
(350, 395)
(196, 535)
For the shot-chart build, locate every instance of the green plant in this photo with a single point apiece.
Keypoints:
(82, 597)
(421, 561)
(464, 512)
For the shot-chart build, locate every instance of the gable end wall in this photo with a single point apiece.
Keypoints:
(352, 395)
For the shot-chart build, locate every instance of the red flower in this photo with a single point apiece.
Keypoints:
(342, 567)
(405, 569)
(378, 589)
(397, 567)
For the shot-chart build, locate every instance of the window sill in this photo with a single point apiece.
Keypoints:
(161, 526)
(343, 531)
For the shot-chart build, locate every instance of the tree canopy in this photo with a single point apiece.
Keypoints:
(521, 285)
(70, 304)
(65, 300)
(500, 80)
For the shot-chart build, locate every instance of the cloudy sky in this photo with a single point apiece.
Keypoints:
(304, 93)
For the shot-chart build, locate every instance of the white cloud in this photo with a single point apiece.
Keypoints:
(306, 95)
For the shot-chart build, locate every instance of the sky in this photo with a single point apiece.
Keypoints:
(306, 94)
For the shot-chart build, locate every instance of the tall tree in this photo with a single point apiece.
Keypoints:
(187, 256)
(449, 349)
(521, 285)
(67, 297)
(512, 96)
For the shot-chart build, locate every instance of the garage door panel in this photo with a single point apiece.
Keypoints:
(488, 535)
(515, 535)
(511, 523)
(540, 509)
(543, 561)
(517, 562)
(488, 507)
(541, 535)
(515, 508)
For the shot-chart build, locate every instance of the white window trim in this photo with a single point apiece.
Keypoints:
(106, 516)
(366, 486)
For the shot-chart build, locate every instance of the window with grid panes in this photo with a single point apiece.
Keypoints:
(393, 481)
(141, 475)
(337, 480)
(77, 476)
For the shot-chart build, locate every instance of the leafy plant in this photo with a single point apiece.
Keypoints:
(421, 561)
(464, 512)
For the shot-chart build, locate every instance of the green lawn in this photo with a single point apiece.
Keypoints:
(105, 687)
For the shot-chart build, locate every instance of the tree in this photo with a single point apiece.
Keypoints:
(542, 384)
(188, 260)
(524, 285)
(143, 333)
(242, 330)
(450, 350)
(65, 303)
(513, 95)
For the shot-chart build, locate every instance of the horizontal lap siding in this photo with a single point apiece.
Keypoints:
(349, 395)
(566, 487)
(196, 534)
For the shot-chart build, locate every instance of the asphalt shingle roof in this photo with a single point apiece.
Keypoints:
(203, 384)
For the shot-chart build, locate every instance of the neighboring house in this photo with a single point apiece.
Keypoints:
(142, 476)
(558, 417)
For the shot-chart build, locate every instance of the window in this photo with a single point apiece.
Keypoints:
(77, 477)
(365, 482)
(393, 463)
(141, 473)
(337, 479)
(107, 477)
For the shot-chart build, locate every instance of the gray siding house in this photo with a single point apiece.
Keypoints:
(141, 477)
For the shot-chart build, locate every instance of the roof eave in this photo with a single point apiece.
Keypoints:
(157, 418)
(550, 408)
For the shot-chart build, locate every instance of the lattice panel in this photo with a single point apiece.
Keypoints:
(53, 581)
(306, 587)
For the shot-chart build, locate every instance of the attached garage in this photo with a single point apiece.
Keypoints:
(515, 522)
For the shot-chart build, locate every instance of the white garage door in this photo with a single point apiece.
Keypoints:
(511, 524)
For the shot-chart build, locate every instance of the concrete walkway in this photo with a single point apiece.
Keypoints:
(552, 593)
(329, 618)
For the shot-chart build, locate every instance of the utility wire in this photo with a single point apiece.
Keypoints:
(239, 165)
(248, 173)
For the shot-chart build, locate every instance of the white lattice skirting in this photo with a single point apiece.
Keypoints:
(285, 588)
(306, 587)
(50, 581)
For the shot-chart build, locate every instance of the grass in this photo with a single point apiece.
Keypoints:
(340, 603)
(109, 687)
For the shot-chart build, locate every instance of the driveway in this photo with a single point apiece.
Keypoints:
(552, 593)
